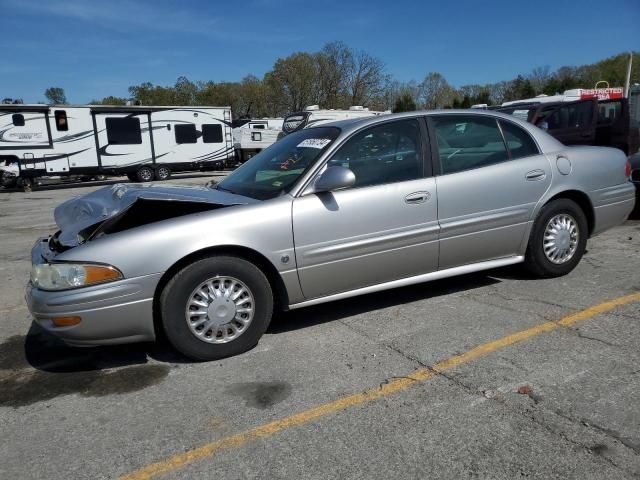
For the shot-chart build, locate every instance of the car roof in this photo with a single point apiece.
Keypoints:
(545, 141)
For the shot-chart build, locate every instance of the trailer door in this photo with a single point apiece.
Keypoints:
(573, 123)
(123, 140)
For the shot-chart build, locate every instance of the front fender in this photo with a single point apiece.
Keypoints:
(264, 227)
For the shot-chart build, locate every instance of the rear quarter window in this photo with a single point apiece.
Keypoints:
(519, 142)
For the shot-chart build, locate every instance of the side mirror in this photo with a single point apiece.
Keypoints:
(334, 178)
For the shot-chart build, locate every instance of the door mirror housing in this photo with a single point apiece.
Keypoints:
(334, 178)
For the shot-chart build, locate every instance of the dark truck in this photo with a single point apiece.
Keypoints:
(608, 123)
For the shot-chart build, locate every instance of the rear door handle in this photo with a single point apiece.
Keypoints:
(534, 175)
(417, 197)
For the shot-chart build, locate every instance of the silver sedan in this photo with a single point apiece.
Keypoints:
(326, 213)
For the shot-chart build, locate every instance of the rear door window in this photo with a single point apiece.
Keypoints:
(468, 142)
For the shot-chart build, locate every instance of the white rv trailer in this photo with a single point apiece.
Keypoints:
(313, 115)
(138, 141)
(254, 136)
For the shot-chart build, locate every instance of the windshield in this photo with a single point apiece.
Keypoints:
(275, 170)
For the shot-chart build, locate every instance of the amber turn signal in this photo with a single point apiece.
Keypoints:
(100, 274)
(65, 321)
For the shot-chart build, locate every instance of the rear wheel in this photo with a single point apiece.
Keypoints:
(558, 239)
(163, 172)
(144, 174)
(216, 307)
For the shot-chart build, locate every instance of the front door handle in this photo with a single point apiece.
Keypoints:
(534, 175)
(417, 197)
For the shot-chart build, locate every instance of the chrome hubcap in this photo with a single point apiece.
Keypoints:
(561, 238)
(146, 174)
(163, 172)
(220, 310)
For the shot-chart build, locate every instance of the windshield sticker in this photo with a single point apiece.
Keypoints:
(314, 143)
(521, 114)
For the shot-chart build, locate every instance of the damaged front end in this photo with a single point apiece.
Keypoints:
(124, 206)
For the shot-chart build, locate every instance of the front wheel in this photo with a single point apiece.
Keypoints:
(216, 307)
(558, 239)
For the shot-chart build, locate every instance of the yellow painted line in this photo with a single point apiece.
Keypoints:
(393, 386)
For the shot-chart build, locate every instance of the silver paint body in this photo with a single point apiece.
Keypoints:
(345, 242)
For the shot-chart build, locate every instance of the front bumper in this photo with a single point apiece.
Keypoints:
(111, 313)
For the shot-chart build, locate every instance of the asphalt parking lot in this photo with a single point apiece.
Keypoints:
(491, 375)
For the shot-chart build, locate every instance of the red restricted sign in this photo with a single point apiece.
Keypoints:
(602, 93)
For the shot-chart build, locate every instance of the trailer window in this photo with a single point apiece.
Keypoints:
(123, 130)
(61, 120)
(186, 133)
(18, 119)
(257, 126)
(212, 133)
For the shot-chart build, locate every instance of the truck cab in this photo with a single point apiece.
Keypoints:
(599, 116)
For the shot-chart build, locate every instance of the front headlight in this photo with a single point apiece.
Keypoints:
(64, 276)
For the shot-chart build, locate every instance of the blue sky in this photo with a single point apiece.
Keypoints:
(98, 48)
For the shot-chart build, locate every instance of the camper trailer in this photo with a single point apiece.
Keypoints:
(313, 115)
(144, 143)
(254, 136)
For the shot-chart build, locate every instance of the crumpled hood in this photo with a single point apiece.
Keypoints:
(79, 213)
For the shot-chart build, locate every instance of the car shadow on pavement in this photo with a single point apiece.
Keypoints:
(38, 366)
(327, 312)
(45, 352)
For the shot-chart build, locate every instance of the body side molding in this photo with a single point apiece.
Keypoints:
(403, 282)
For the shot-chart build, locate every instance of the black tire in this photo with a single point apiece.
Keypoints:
(144, 174)
(175, 296)
(25, 183)
(9, 182)
(536, 261)
(162, 173)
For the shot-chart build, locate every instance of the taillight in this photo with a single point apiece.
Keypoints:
(627, 169)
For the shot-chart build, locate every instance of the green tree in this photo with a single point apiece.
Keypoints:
(520, 88)
(404, 103)
(110, 100)
(335, 61)
(292, 83)
(55, 95)
(436, 91)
